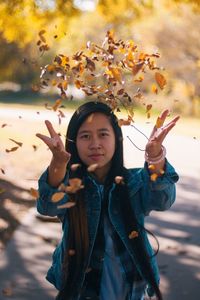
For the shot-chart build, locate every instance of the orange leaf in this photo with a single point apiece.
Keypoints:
(57, 196)
(154, 176)
(159, 122)
(160, 79)
(133, 234)
(151, 167)
(57, 104)
(34, 193)
(75, 184)
(154, 89)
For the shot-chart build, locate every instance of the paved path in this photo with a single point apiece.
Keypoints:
(28, 255)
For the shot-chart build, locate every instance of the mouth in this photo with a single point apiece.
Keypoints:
(95, 156)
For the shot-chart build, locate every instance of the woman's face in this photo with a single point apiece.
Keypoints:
(95, 143)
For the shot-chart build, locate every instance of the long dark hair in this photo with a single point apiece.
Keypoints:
(78, 239)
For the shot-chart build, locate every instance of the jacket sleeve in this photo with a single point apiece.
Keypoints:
(160, 194)
(44, 204)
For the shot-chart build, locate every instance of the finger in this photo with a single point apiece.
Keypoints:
(162, 132)
(50, 128)
(47, 140)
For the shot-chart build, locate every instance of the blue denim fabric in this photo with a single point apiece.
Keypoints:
(145, 196)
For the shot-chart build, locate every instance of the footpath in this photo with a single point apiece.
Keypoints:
(27, 257)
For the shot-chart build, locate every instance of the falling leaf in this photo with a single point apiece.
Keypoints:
(159, 122)
(7, 291)
(154, 176)
(74, 167)
(133, 235)
(137, 67)
(2, 171)
(154, 89)
(57, 196)
(162, 171)
(34, 147)
(119, 180)
(34, 193)
(18, 143)
(92, 167)
(71, 252)
(12, 149)
(75, 184)
(69, 204)
(2, 190)
(160, 79)
(90, 118)
(57, 104)
(151, 167)
(122, 122)
(4, 125)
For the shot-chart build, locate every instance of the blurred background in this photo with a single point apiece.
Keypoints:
(170, 28)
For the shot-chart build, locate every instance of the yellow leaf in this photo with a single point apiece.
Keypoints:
(154, 176)
(57, 104)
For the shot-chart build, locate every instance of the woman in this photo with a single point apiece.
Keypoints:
(104, 253)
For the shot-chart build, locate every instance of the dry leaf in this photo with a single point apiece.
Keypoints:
(2, 171)
(74, 167)
(75, 184)
(69, 204)
(159, 122)
(122, 122)
(160, 79)
(4, 125)
(92, 167)
(133, 234)
(7, 292)
(12, 149)
(154, 176)
(151, 167)
(18, 143)
(119, 180)
(34, 193)
(57, 104)
(57, 196)
(71, 252)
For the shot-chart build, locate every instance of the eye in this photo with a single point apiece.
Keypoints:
(104, 134)
(85, 137)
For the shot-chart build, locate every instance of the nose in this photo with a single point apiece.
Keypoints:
(94, 144)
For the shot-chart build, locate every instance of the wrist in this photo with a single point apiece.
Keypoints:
(154, 160)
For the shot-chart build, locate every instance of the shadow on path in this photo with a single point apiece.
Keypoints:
(178, 234)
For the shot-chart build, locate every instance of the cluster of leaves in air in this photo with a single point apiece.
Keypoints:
(106, 72)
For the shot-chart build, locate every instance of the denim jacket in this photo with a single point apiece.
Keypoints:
(145, 196)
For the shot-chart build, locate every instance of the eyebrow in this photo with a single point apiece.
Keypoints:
(87, 131)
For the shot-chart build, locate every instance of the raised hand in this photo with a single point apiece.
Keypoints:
(55, 144)
(57, 167)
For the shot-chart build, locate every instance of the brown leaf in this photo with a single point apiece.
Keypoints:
(4, 125)
(137, 67)
(57, 196)
(133, 234)
(119, 180)
(160, 79)
(7, 292)
(34, 147)
(12, 149)
(18, 143)
(154, 176)
(2, 171)
(90, 65)
(57, 104)
(122, 122)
